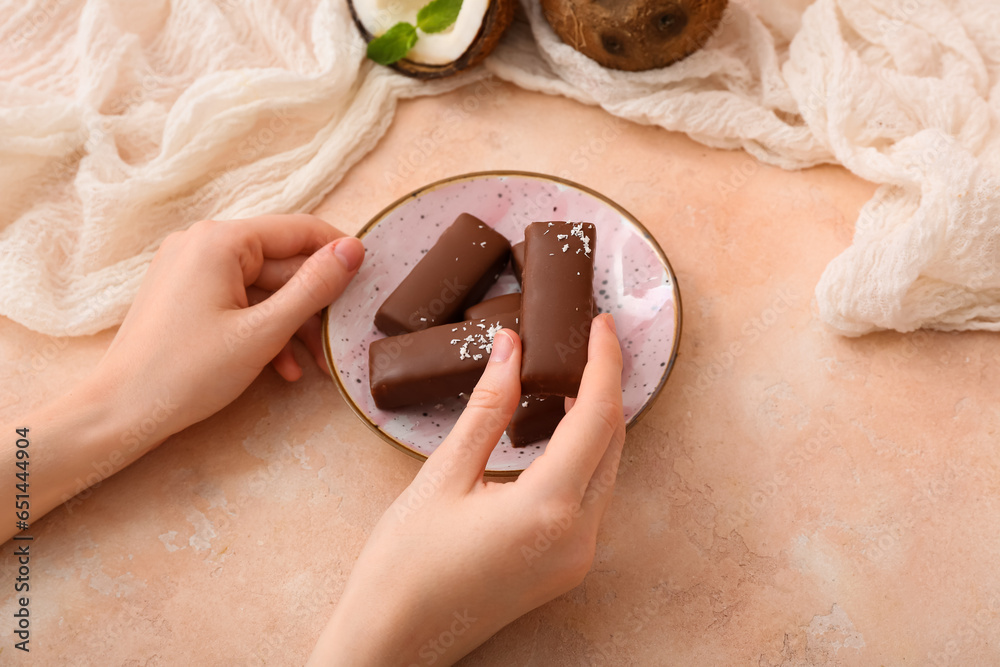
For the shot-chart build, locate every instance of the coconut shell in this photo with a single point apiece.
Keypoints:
(498, 17)
(634, 35)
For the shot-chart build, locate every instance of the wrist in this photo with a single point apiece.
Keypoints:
(139, 415)
(353, 639)
(390, 626)
(85, 436)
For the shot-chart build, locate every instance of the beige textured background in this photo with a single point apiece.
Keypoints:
(793, 498)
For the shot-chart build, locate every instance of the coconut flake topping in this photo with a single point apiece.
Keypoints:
(481, 340)
(577, 231)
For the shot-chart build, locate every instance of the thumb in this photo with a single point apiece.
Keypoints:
(316, 284)
(467, 448)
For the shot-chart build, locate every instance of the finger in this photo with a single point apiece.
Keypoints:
(584, 434)
(319, 281)
(288, 235)
(602, 485)
(284, 362)
(286, 365)
(277, 237)
(311, 334)
(468, 447)
(276, 272)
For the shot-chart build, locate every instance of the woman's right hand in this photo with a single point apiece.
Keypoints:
(456, 557)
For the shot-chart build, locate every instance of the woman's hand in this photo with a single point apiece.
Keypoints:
(455, 558)
(220, 301)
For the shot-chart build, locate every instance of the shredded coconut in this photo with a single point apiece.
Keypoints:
(578, 232)
(483, 340)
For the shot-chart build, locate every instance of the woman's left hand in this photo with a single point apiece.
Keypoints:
(221, 300)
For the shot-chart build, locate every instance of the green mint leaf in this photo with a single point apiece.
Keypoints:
(438, 15)
(393, 44)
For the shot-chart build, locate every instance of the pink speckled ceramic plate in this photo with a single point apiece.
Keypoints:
(633, 280)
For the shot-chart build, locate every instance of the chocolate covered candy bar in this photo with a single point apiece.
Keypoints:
(453, 274)
(535, 418)
(517, 265)
(556, 306)
(430, 365)
(517, 260)
(508, 303)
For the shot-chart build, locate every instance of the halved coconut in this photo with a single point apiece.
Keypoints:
(634, 35)
(465, 43)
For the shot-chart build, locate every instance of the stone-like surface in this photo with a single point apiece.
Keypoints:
(794, 498)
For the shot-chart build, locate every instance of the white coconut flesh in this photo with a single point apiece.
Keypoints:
(439, 48)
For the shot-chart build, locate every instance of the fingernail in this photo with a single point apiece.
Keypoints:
(350, 252)
(503, 345)
(610, 321)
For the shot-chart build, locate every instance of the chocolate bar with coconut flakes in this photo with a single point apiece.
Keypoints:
(434, 364)
(556, 306)
(454, 274)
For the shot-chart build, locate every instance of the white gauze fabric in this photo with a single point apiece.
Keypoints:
(121, 122)
(903, 93)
